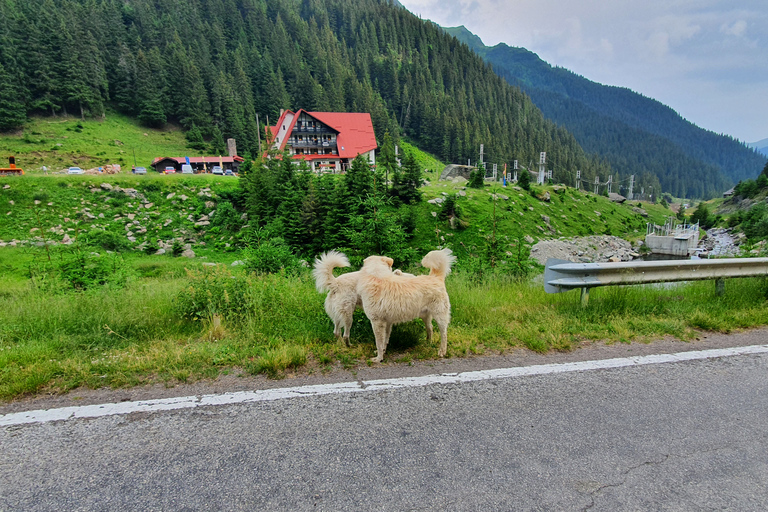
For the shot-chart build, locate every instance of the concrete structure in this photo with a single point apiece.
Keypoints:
(673, 240)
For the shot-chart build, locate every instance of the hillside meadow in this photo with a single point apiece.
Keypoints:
(98, 312)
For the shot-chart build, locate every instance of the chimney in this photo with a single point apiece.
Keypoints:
(231, 147)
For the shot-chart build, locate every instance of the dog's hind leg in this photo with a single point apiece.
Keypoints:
(427, 317)
(443, 327)
(347, 321)
(380, 331)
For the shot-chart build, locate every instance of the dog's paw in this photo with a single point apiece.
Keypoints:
(397, 272)
(376, 359)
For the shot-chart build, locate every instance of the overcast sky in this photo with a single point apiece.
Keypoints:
(707, 59)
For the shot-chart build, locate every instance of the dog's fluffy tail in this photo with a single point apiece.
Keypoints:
(323, 269)
(439, 262)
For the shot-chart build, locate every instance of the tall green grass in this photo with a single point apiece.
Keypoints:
(176, 321)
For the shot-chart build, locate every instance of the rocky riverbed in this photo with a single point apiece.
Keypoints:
(717, 242)
(589, 249)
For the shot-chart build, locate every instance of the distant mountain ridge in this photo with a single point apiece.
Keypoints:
(635, 134)
(760, 146)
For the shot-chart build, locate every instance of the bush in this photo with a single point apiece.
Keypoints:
(177, 248)
(107, 240)
(83, 272)
(214, 291)
(271, 256)
(476, 178)
(226, 217)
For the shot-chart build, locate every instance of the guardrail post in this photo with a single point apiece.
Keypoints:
(719, 286)
(584, 296)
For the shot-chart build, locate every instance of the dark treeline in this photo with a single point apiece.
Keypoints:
(224, 66)
(635, 134)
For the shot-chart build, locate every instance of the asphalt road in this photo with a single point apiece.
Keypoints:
(674, 436)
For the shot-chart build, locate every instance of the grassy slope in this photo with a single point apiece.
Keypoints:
(61, 142)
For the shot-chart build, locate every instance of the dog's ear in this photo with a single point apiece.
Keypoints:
(388, 261)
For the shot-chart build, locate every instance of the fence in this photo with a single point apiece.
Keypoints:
(562, 275)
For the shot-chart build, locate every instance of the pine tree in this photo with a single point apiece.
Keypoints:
(524, 179)
(12, 111)
(386, 160)
(359, 178)
(195, 139)
(407, 183)
(218, 146)
(148, 97)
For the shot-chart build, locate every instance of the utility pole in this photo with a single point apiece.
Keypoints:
(258, 133)
(631, 184)
(610, 182)
(597, 184)
(578, 180)
(542, 165)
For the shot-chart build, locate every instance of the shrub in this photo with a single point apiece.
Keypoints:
(107, 240)
(271, 256)
(84, 271)
(214, 291)
(177, 248)
(226, 217)
(475, 179)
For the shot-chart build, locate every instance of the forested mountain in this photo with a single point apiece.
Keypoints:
(224, 66)
(760, 146)
(634, 133)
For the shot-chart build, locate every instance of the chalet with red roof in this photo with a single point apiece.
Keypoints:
(328, 141)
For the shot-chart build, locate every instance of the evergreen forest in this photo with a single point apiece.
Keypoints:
(226, 67)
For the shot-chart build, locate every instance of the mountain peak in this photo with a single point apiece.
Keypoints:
(465, 36)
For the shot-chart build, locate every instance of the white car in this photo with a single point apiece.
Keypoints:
(217, 170)
(75, 170)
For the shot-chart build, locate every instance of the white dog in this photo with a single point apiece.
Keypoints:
(342, 298)
(388, 300)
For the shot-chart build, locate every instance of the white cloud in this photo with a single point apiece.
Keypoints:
(737, 28)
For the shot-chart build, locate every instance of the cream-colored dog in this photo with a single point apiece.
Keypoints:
(342, 298)
(389, 300)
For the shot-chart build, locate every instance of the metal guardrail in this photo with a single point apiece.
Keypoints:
(563, 275)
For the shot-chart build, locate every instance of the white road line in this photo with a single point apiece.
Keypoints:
(240, 397)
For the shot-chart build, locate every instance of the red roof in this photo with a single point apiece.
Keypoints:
(355, 131)
(200, 159)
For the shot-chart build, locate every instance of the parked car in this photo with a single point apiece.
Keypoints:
(229, 172)
(169, 170)
(217, 170)
(139, 170)
(75, 170)
(186, 169)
